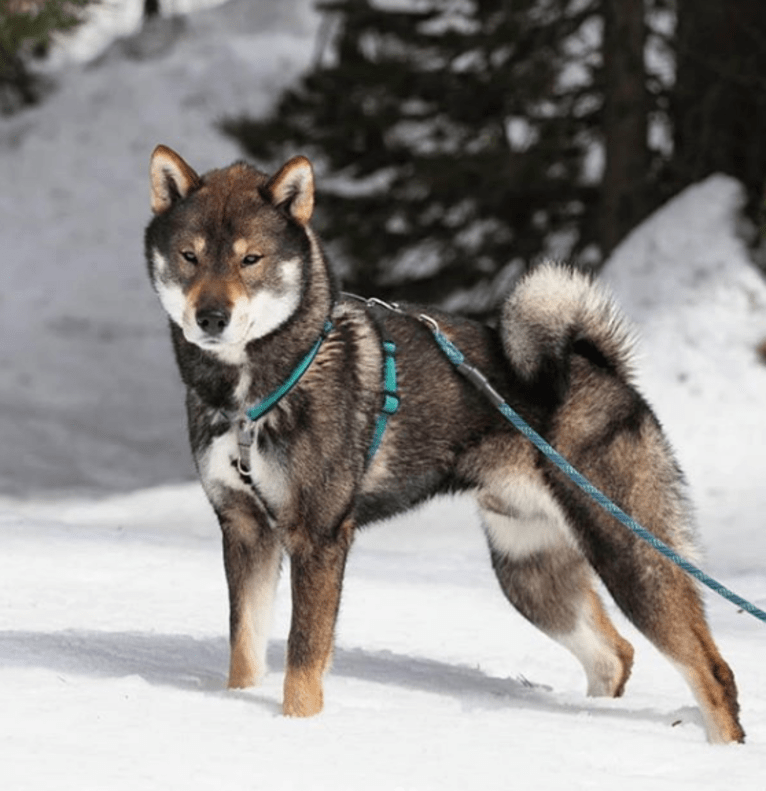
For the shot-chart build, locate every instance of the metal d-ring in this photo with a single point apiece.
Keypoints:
(430, 321)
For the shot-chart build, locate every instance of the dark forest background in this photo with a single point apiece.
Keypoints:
(459, 141)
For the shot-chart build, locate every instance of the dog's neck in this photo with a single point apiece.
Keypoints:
(271, 360)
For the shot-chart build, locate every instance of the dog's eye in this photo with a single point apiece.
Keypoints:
(251, 259)
(189, 256)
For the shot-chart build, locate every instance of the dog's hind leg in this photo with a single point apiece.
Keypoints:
(252, 557)
(547, 579)
(316, 572)
(638, 473)
(664, 603)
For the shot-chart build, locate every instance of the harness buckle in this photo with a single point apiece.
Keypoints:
(245, 439)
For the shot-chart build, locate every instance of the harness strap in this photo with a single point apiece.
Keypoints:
(246, 423)
(267, 404)
(391, 398)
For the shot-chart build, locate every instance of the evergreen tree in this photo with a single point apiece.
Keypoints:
(26, 29)
(461, 140)
(450, 139)
(625, 184)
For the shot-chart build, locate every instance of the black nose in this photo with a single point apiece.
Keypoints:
(213, 320)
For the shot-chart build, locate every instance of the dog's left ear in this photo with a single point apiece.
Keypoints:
(172, 179)
(293, 188)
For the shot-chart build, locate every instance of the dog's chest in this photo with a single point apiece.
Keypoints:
(266, 474)
(242, 459)
(250, 468)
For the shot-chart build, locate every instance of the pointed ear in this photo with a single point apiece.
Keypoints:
(172, 179)
(293, 187)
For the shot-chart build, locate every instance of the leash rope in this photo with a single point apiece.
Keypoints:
(478, 379)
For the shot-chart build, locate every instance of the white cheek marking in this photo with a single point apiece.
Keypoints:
(267, 310)
(251, 318)
(174, 301)
(533, 522)
(171, 295)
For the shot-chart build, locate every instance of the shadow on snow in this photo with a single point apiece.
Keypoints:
(194, 664)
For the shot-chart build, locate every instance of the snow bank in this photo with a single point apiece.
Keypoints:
(685, 279)
(113, 646)
(90, 398)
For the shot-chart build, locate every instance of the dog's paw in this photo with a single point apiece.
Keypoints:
(303, 695)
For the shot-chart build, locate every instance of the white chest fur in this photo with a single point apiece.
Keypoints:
(218, 468)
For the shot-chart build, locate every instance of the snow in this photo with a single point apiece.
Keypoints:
(684, 279)
(88, 399)
(113, 657)
(113, 649)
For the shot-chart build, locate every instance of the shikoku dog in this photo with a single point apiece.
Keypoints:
(255, 315)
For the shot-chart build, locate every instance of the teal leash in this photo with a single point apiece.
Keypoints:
(478, 379)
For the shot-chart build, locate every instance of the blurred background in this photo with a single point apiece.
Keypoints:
(456, 143)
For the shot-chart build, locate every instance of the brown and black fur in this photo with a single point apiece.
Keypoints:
(248, 289)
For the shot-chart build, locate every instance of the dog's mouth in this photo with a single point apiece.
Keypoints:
(233, 339)
(211, 342)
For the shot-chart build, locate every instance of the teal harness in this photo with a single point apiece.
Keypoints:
(391, 400)
(267, 404)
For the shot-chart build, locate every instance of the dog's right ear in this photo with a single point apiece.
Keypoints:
(172, 179)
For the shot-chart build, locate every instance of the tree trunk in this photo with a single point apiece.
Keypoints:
(624, 184)
(719, 101)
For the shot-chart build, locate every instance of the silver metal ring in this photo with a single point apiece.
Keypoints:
(428, 320)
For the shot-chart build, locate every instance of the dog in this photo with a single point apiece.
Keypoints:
(312, 413)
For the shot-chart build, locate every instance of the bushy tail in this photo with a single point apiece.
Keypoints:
(555, 306)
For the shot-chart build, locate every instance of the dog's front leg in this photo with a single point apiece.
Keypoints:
(316, 570)
(252, 556)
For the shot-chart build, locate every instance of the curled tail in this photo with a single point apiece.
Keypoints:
(555, 307)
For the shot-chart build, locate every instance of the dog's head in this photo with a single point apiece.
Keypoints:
(228, 251)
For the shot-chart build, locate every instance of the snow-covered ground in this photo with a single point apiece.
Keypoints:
(113, 650)
(113, 658)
